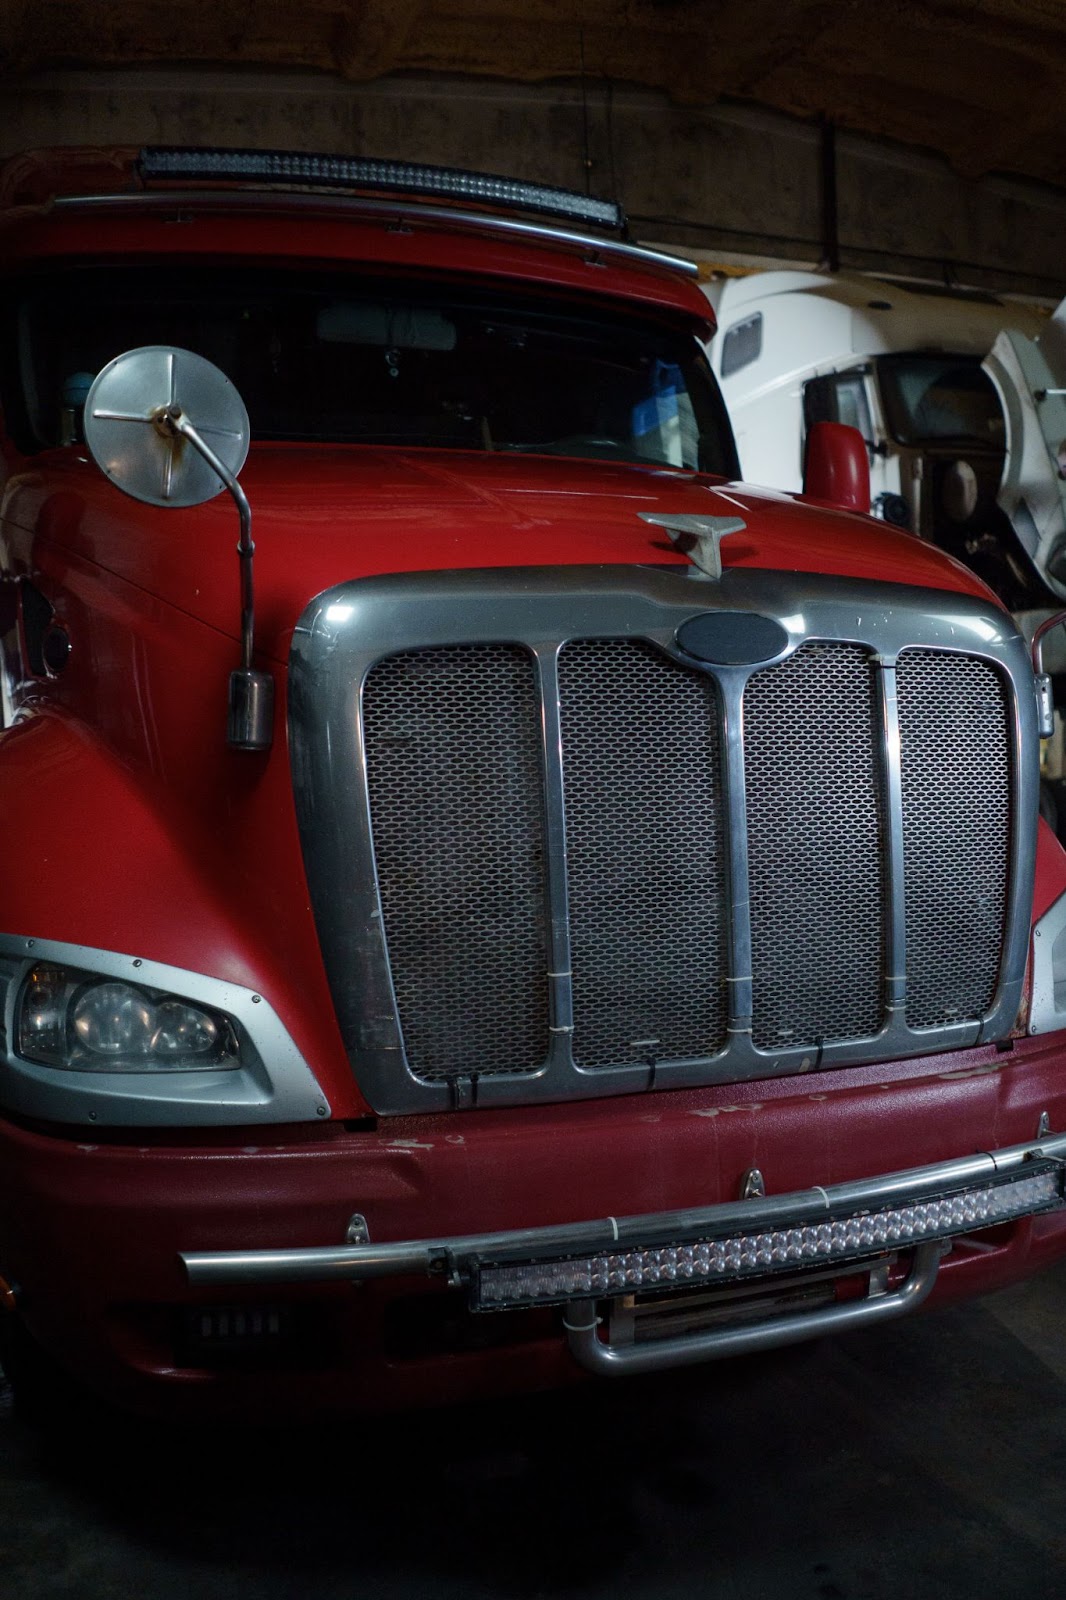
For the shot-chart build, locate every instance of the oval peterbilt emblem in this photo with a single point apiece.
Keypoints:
(732, 638)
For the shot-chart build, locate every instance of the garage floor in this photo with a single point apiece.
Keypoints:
(927, 1459)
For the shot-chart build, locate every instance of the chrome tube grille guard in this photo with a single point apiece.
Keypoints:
(798, 1240)
(553, 855)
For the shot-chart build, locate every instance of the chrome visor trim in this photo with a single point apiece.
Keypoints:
(272, 1084)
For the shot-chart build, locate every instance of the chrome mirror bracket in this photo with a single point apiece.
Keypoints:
(136, 423)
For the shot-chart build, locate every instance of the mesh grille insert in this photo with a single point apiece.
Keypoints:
(456, 800)
(955, 739)
(814, 841)
(455, 772)
(644, 839)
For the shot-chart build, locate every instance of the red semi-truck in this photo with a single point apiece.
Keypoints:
(607, 926)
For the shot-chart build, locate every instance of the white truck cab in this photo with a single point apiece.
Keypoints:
(904, 366)
(1030, 377)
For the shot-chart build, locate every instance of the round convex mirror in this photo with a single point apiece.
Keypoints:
(130, 413)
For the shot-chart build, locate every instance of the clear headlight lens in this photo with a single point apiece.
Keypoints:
(183, 1030)
(68, 1018)
(113, 1019)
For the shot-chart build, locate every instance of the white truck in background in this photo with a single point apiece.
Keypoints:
(1030, 376)
(961, 399)
(904, 366)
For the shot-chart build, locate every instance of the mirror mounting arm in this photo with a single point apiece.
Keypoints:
(1045, 703)
(250, 721)
(172, 419)
(138, 440)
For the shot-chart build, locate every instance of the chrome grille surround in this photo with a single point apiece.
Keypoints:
(551, 615)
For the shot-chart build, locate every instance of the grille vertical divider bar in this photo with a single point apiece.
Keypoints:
(894, 867)
(560, 972)
(738, 976)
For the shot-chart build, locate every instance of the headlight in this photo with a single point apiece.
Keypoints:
(72, 1019)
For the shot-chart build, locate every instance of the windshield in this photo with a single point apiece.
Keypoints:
(330, 356)
(931, 397)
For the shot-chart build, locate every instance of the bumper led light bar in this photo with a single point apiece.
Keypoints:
(749, 1255)
(403, 177)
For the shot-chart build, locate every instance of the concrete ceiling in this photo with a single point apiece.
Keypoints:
(979, 81)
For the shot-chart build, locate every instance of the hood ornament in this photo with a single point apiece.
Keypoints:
(699, 538)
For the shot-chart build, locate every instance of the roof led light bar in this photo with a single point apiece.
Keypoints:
(749, 1255)
(401, 177)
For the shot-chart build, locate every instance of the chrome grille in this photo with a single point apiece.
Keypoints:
(454, 775)
(954, 736)
(814, 805)
(584, 862)
(645, 854)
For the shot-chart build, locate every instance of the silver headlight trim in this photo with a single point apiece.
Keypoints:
(272, 1084)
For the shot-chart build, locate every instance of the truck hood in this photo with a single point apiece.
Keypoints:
(324, 515)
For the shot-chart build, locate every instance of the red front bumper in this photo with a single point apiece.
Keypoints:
(92, 1233)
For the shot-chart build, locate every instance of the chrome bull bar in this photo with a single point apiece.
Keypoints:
(582, 1265)
(770, 1333)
